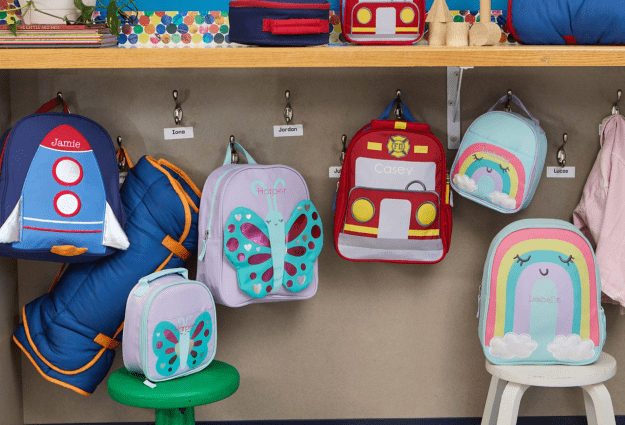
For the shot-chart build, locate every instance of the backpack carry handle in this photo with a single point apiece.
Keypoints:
(144, 282)
(387, 112)
(517, 102)
(230, 153)
(51, 104)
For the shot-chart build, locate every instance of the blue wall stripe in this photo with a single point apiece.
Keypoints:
(527, 420)
(223, 4)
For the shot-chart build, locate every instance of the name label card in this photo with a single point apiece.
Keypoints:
(561, 172)
(178, 133)
(335, 172)
(288, 130)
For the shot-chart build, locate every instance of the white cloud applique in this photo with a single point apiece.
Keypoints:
(503, 199)
(571, 347)
(465, 182)
(512, 345)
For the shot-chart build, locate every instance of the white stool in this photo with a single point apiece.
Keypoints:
(510, 382)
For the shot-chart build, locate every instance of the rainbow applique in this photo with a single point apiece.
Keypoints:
(541, 296)
(491, 173)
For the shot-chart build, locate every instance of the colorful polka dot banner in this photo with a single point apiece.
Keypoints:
(173, 29)
(7, 18)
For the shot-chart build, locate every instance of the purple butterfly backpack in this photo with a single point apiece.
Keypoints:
(259, 233)
(170, 326)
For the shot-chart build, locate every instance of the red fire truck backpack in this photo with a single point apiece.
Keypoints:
(392, 202)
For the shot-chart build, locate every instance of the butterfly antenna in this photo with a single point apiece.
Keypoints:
(275, 193)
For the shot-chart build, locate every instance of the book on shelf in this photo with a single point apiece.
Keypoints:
(57, 28)
(31, 36)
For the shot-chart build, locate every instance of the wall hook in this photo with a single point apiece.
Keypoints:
(561, 154)
(234, 156)
(122, 165)
(615, 108)
(507, 108)
(59, 98)
(178, 109)
(288, 111)
(399, 111)
(342, 155)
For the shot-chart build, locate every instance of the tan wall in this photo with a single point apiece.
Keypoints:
(11, 411)
(378, 340)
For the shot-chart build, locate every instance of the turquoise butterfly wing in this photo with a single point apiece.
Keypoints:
(165, 344)
(304, 239)
(247, 247)
(201, 334)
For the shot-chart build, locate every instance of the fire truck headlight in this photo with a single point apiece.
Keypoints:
(363, 16)
(426, 214)
(363, 210)
(406, 15)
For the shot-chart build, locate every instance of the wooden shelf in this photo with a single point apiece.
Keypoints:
(312, 57)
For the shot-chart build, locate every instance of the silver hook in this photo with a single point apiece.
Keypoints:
(234, 156)
(342, 155)
(59, 97)
(507, 108)
(399, 111)
(121, 159)
(561, 154)
(288, 111)
(178, 109)
(615, 108)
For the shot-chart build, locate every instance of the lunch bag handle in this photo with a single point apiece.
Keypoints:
(50, 105)
(228, 159)
(295, 26)
(517, 102)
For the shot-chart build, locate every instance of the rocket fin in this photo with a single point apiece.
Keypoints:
(10, 230)
(114, 235)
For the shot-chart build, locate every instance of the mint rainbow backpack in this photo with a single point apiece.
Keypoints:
(260, 235)
(501, 159)
(170, 329)
(540, 299)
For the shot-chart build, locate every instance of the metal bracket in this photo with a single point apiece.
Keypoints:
(454, 82)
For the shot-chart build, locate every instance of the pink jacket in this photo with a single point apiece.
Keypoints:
(600, 215)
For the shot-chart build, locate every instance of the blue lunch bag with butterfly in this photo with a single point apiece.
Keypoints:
(259, 233)
(170, 326)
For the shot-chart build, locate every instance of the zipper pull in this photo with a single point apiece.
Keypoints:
(203, 253)
(479, 302)
(336, 194)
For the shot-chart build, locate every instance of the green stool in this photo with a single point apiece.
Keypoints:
(174, 400)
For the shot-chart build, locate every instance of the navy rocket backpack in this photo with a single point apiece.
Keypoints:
(59, 189)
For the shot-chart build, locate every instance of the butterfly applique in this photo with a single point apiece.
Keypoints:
(268, 254)
(186, 345)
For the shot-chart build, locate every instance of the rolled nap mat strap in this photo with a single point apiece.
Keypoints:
(69, 334)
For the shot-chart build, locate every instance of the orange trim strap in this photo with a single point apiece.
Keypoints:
(176, 247)
(106, 342)
(46, 377)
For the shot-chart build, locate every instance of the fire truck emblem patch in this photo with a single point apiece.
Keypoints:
(398, 146)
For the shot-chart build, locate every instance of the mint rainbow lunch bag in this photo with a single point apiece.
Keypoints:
(260, 235)
(540, 299)
(170, 328)
(501, 159)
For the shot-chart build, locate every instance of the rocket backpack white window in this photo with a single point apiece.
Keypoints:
(60, 190)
